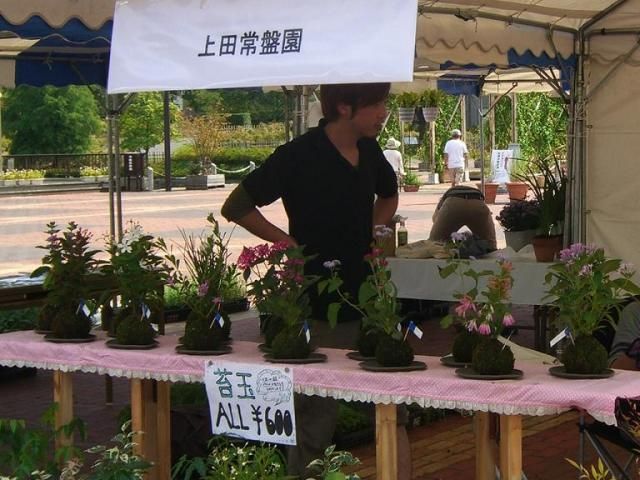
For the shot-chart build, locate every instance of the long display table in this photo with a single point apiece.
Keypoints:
(537, 393)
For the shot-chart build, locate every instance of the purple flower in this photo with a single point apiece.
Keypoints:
(585, 271)
(626, 269)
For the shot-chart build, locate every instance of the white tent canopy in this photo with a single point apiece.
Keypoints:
(594, 44)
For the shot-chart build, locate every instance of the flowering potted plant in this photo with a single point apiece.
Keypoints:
(587, 287)
(520, 219)
(67, 265)
(206, 269)
(377, 303)
(484, 313)
(139, 274)
(279, 290)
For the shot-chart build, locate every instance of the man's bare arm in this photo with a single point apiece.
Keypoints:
(384, 209)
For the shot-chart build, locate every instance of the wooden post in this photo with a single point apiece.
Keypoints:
(143, 422)
(164, 429)
(510, 447)
(63, 396)
(485, 451)
(386, 442)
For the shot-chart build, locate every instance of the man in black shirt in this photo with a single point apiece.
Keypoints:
(335, 185)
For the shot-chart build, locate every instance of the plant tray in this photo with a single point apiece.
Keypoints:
(560, 371)
(356, 355)
(221, 351)
(471, 374)
(450, 361)
(373, 366)
(53, 339)
(312, 358)
(114, 344)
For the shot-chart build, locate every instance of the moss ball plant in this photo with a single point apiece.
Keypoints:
(132, 330)
(367, 342)
(490, 357)
(272, 326)
(67, 323)
(584, 355)
(290, 344)
(463, 346)
(199, 334)
(45, 316)
(392, 352)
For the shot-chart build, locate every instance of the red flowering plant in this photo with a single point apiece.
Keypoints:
(378, 304)
(279, 288)
(484, 313)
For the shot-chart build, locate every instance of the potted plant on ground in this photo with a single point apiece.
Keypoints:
(520, 220)
(517, 191)
(411, 182)
(379, 307)
(139, 274)
(490, 191)
(279, 290)
(67, 266)
(587, 287)
(483, 312)
(548, 240)
(407, 102)
(200, 284)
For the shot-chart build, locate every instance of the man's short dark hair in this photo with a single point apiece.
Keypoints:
(356, 95)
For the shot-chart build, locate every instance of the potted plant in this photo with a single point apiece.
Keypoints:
(483, 312)
(279, 290)
(67, 266)
(206, 265)
(379, 307)
(548, 240)
(520, 220)
(89, 174)
(490, 191)
(139, 274)
(429, 101)
(587, 287)
(411, 182)
(517, 191)
(407, 102)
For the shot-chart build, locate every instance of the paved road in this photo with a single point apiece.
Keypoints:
(23, 218)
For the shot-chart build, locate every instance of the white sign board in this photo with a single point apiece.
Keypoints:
(501, 165)
(251, 401)
(160, 45)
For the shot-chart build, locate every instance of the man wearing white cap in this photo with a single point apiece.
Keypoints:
(394, 157)
(455, 156)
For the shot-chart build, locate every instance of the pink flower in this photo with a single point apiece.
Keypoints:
(246, 258)
(279, 247)
(508, 320)
(585, 271)
(471, 326)
(484, 329)
(203, 289)
(466, 304)
(216, 300)
(262, 251)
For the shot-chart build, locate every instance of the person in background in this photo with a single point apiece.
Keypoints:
(625, 350)
(335, 185)
(463, 206)
(394, 157)
(455, 157)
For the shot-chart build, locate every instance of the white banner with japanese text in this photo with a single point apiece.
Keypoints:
(160, 45)
(249, 401)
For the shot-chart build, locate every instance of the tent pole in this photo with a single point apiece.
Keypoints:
(514, 117)
(167, 143)
(112, 174)
(116, 148)
(482, 173)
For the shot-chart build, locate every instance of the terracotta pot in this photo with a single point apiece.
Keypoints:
(411, 188)
(546, 248)
(490, 191)
(517, 191)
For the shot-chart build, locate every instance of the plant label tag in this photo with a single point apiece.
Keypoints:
(307, 332)
(413, 328)
(564, 333)
(219, 320)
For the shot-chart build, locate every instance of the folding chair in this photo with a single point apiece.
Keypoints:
(626, 436)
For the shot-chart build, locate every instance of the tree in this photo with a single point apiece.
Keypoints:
(241, 103)
(142, 123)
(206, 133)
(50, 119)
